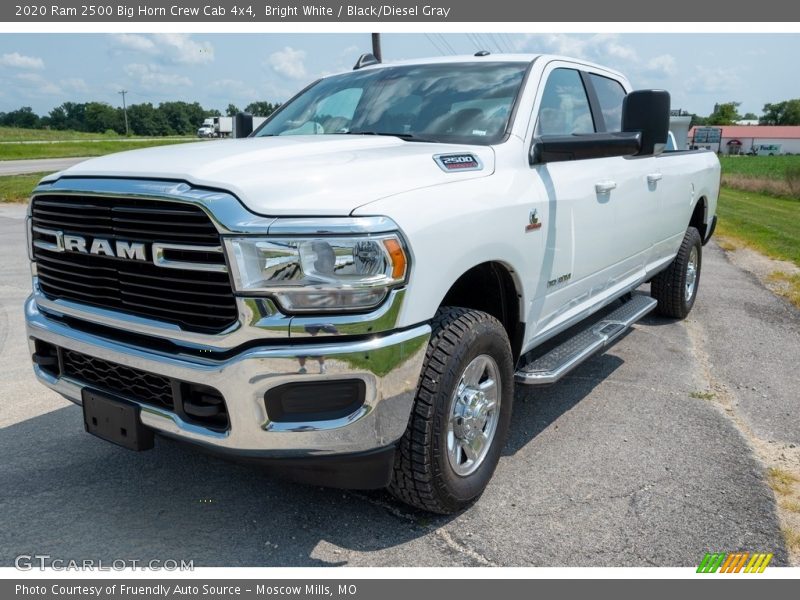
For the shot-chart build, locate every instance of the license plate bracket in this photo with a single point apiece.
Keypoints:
(115, 420)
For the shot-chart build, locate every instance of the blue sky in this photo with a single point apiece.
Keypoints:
(44, 70)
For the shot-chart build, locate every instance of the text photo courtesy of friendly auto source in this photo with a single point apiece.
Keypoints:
(434, 299)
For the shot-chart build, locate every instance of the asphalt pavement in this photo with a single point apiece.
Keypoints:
(37, 165)
(626, 462)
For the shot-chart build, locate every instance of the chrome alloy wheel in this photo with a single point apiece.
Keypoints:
(691, 274)
(474, 414)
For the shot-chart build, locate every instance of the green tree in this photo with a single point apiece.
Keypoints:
(100, 117)
(750, 117)
(782, 113)
(261, 108)
(697, 120)
(144, 119)
(22, 117)
(183, 118)
(58, 118)
(725, 113)
(70, 115)
(232, 110)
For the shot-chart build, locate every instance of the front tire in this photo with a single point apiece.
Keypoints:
(461, 413)
(675, 288)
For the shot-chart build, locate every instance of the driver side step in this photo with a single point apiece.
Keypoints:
(553, 365)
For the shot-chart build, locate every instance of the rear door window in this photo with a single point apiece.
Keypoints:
(610, 94)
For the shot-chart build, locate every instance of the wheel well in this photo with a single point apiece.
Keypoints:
(699, 217)
(490, 287)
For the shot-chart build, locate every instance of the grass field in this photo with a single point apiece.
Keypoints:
(763, 174)
(17, 188)
(80, 148)
(768, 224)
(18, 134)
(767, 167)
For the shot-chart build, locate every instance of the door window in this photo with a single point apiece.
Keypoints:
(610, 94)
(564, 108)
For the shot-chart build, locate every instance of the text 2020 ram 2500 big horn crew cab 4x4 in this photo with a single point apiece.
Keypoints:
(351, 291)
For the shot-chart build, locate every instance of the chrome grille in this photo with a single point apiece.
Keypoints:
(196, 300)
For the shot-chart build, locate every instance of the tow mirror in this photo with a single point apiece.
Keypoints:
(557, 148)
(647, 112)
(645, 129)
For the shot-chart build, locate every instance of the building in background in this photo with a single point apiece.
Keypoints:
(762, 140)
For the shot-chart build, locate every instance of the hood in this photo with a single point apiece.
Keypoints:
(295, 175)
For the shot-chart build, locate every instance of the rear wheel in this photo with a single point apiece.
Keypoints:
(675, 288)
(461, 413)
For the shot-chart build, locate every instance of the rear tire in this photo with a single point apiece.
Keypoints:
(454, 437)
(675, 288)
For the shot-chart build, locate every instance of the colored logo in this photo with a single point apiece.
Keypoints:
(736, 562)
(533, 221)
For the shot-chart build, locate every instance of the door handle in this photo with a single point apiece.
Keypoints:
(654, 178)
(604, 187)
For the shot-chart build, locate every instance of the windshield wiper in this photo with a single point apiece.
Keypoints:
(409, 137)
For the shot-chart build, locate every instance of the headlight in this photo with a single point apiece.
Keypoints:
(321, 273)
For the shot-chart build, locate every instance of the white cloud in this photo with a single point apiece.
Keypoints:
(660, 67)
(20, 61)
(74, 84)
(171, 48)
(350, 51)
(618, 50)
(33, 82)
(233, 90)
(714, 81)
(153, 77)
(134, 41)
(288, 62)
(181, 48)
(601, 47)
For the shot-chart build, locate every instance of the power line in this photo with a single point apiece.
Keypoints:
(484, 44)
(509, 41)
(499, 42)
(434, 44)
(474, 41)
(492, 42)
(447, 44)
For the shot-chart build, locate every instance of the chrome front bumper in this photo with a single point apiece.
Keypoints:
(389, 365)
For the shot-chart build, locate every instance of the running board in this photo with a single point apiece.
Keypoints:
(559, 361)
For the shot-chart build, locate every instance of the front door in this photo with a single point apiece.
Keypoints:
(596, 210)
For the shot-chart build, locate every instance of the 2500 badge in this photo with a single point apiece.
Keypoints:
(458, 162)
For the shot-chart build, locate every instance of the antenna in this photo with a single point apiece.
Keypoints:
(376, 47)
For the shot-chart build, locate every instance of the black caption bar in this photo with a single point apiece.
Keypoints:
(442, 11)
(398, 589)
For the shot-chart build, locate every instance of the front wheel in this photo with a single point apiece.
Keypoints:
(461, 414)
(675, 288)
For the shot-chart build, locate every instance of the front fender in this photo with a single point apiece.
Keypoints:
(452, 228)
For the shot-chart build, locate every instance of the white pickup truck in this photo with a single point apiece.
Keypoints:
(352, 291)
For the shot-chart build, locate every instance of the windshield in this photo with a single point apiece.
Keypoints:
(466, 103)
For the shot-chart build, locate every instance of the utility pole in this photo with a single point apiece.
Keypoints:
(376, 46)
(125, 111)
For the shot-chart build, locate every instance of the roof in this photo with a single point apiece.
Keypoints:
(783, 132)
(491, 57)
